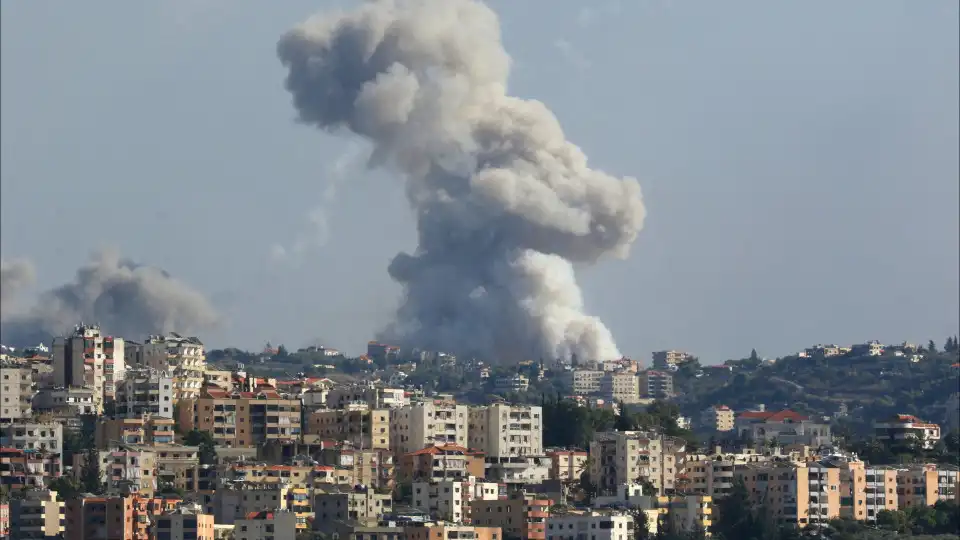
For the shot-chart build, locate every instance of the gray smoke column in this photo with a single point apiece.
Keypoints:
(125, 298)
(15, 275)
(504, 203)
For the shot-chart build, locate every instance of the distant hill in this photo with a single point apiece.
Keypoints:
(870, 386)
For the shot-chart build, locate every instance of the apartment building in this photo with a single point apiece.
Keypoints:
(506, 430)
(718, 418)
(242, 419)
(519, 516)
(145, 430)
(584, 382)
(567, 465)
(511, 383)
(713, 474)
(797, 493)
(375, 396)
(89, 359)
(593, 525)
(655, 384)
(266, 525)
(870, 348)
(28, 469)
(435, 463)
(903, 427)
(784, 427)
(621, 386)
(361, 504)
(73, 401)
(670, 359)
(108, 518)
(374, 468)
(447, 500)
(451, 531)
(38, 515)
(183, 358)
(866, 490)
(28, 435)
(356, 423)
(431, 423)
(144, 391)
(624, 457)
(925, 485)
(16, 392)
(686, 513)
(232, 503)
(184, 522)
(124, 470)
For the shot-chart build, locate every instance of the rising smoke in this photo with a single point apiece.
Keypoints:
(15, 275)
(504, 203)
(125, 298)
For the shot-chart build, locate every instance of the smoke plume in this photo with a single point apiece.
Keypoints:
(504, 203)
(125, 298)
(15, 275)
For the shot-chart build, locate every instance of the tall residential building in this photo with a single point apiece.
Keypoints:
(39, 515)
(506, 430)
(89, 359)
(360, 504)
(798, 493)
(16, 392)
(656, 384)
(718, 418)
(621, 386)
(242, 419)
(28, 435)
(181, 357)
(145, 429)
(144, 391)
(357, 424)
(625, 457)
(925, 485)
(668, 359)
(423, 424)
(866, 490)
(375, 396)
(117, 517)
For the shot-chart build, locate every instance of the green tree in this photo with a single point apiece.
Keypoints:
(735, 519)
(282, 352)
(754, 357)
(66, 487)
(641, 524)
(207, 447)
(90, 478)
(932, 347)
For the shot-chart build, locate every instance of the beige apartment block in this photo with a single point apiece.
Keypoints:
(567, 465)
(450, 531)
(16, 392)
(357, 424)
(433, 423)
(718, 418)
(621, 386)
(506, 430)
(242, 419)
(797, 493)
(624, 457)
(866, 490)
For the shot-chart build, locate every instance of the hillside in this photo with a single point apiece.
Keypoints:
(869, 386)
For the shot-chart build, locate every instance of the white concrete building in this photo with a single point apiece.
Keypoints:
(448, 500)
(16, 392)
(423, 424)
(507, 430)
(592, 526)
(145, 390)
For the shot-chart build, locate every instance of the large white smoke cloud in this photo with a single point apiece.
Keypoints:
(504, 203)
(15, 275)
(125, 298)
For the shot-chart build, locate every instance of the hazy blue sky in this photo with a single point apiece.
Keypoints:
(799, 162)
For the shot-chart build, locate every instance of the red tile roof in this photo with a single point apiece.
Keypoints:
(438, 449)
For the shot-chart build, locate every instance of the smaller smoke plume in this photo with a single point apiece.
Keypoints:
(125, 298)
(15, 275)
